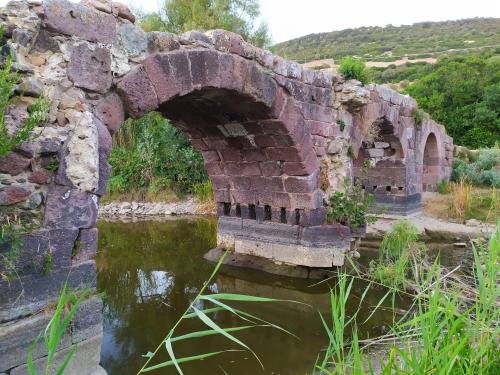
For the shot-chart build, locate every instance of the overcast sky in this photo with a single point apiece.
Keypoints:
(290, 19)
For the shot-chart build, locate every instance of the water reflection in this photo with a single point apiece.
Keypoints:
(150, 271)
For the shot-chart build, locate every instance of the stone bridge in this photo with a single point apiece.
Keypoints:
(277, 140)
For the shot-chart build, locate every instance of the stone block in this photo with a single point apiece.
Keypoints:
(86, 246)
(70, 208)
(13, 194)
(259, 85)
(111, 112)
(271, 168)
(13, 163)
(299, 184)
(17, 336)
(73, 19)
(204, 68)
(335, 235)
(309, 166)
(138, 92)
(87, 322)
(90, 68)
(83, 362)
(169, 73)
(31, 293)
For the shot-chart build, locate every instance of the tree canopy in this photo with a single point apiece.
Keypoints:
(239, 16)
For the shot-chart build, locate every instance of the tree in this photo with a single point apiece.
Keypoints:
(239, 16)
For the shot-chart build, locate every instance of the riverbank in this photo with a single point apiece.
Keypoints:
(152, 210)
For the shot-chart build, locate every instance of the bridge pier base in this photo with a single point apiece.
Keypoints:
(314, 246)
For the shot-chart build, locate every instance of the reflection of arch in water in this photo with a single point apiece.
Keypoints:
(431, 170)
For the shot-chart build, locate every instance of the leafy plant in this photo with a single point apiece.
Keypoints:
(218, 301)
(350, 207)
(37, 113)
(352, 68)
(443, 187)
(66, 308)
(341, 124)
(149, 154)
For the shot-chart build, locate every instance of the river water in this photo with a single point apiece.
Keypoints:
(150, 271)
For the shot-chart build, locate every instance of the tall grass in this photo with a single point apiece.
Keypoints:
(461, 193)
(65, 310)
(217, 302)
(399, 248)
(451, 328)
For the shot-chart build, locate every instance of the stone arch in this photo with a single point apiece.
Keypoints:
(380, 164)
(251, 133)
(431, 170)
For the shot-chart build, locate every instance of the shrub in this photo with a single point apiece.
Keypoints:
(483, 170)
(444, 187)
(151, 155)
(350, 207)
(352, 68)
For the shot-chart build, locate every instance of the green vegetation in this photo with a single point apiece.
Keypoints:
(203, 191)
(463, 94)
(216, 302)
(451, 327)
(151, 157)
(407, 72)
(354, 69)
(66, 308)
(350, 207)
(481, 169)
(37, 112)
(391, 43)
(397, 251)
(239, 16)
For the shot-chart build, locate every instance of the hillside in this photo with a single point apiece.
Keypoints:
(425, 39)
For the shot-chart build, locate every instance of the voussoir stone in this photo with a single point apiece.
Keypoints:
(138, 92)
(77, 20)
(90, 68)
(111, 112)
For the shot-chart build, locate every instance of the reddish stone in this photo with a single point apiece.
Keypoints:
(123, 11)
(214, 168)
(273, 127)
(285, 154)
(283, 140)
(309, 166)
(210, 156)
(259, 85)
(222, 195)
(233, 71)
(301, 184)
(169, 73)
(232, 168)
(40, 177)
(244, 197)
(320, 128)
(111, 112)
(220, 182)
(204, 68)
(90, 69)
(214, 143)
(76, 20)
(242, 183)
(270, 168)
(138, 92)
(318, 113)
(227, 41)
(249, 169)
(309, 200)
(264, 140)
(273, 184)
(230, 154)
(13, 194)
(200, 145)
(281, 199)
(13, 163)
(254, 155)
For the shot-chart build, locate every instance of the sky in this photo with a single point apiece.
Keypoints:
(289, 19)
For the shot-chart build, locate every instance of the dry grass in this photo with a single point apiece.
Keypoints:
(463, 202)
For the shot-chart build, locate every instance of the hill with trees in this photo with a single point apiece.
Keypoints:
(424, 39)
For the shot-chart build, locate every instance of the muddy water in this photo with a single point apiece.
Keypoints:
(149, 272)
